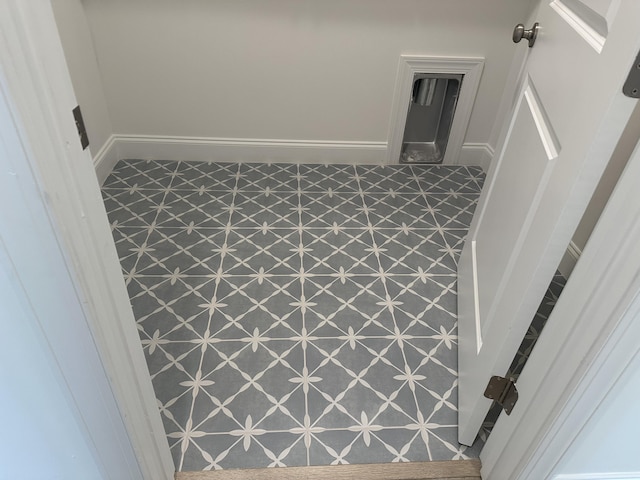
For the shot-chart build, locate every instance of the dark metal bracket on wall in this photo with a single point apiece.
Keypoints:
(631, 87)
(82, 131)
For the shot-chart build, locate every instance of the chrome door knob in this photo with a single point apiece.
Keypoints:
(519, 33)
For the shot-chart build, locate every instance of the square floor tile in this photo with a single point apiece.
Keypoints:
(262, 252)
(261, 177)
(334, 209)
(399, 211)
(196, 209)
(206, 176)
(422, 252)
(453, 210)
(325, 178)
(448, 179)
(266, 210)
(340, 252)
(141, 174)
(387, 178)
(180, 252)
(133, 208)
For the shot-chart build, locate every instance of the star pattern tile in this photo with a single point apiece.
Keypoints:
(297, 314)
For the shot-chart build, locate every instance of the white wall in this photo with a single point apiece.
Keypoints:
(630, 137)
(621, 155)
(286, 69)
(609, 441)
(83, 66)
(41, 438)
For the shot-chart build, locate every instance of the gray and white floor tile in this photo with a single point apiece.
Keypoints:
(297, 314)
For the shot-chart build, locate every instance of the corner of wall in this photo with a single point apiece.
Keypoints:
(477, 155)
(76, 37)
(105, 159)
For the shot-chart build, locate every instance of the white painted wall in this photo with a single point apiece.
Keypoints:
(622, 153)
(286, 69)
(609, 441)
(610, 177)
(83, 66)
(42, 439)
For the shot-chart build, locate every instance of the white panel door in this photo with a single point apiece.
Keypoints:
(568, 116)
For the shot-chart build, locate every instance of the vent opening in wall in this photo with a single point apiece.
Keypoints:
(432, 106)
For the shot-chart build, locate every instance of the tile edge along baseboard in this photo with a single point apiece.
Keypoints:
(206, 149)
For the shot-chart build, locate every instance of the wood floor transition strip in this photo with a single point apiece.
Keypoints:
(448, 470)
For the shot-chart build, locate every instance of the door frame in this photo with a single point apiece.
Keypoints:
(524, 445)
(589, 341)
(35, 82)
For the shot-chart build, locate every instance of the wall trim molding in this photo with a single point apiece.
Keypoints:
(569, 260)
(409, 65)
(207, 149)
(477, 155)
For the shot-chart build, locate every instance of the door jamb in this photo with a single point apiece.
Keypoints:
(39, 90)
(588, 342)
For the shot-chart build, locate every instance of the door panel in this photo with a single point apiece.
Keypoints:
(589, 18)
(517, 193)
(566, 121)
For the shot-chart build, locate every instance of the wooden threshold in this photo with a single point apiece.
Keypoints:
(449, 470)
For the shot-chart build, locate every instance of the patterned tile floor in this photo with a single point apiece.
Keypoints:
(297, 314)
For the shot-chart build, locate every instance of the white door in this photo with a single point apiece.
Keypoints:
(567, 118)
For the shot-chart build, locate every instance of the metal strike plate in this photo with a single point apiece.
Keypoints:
(631, 87)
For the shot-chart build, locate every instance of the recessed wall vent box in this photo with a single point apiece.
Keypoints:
(433, 103)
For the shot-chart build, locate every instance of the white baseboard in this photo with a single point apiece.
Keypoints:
(569, 260)
(204, 149)
(199, 149)
(477, 155)
(105, 159)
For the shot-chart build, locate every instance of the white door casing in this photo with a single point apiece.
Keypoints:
(588, 343)
(567, 118)
(37, 86)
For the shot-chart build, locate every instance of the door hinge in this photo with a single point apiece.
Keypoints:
(631, 87)
(503, 391)
(82, 131)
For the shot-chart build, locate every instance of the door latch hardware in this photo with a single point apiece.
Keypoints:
(503, 391)
(82, 131)
(631, 87)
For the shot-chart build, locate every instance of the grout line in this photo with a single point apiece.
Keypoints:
(390, 307)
